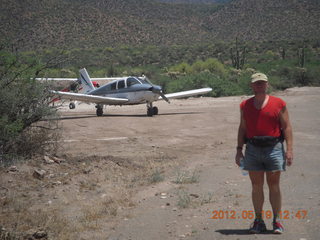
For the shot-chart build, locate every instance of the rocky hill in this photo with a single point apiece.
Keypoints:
(86, 23)
(195, 1)
(266, 20)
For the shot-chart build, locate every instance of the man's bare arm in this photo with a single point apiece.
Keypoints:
(287, 131)
(241, 138)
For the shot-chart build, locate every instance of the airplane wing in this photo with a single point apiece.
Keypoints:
(90, 98)
(76, 79)
(56, 79)
(187, 93)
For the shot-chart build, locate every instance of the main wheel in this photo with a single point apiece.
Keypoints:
(150, 112)
(99, 111)
(155, 110)
(72, 105)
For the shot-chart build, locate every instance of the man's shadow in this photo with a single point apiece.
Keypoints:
(239, 232)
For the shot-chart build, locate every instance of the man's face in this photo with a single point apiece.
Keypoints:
(259, 87)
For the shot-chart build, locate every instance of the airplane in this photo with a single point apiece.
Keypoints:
(75, 86)
(124, 91)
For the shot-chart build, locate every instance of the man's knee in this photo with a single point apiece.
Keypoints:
(257, 186)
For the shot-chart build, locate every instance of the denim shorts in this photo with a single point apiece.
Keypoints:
(265, 158)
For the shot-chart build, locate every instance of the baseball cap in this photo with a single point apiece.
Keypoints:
(259, 77)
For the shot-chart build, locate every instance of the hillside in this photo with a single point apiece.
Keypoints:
(267, 20)
(194, 1)
(86, 23)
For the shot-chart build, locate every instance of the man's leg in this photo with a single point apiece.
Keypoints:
(273, 180)
(257, 180)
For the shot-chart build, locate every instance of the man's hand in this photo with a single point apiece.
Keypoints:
(239, 155)
(289, 157)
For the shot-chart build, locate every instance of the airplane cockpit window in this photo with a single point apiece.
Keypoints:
(132, 81)
(114, 86)
(144, 81)
(121, 84)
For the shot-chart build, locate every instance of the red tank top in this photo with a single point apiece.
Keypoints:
(265, 121)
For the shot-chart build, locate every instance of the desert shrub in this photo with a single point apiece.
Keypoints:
(181, 68)
(215, 66)
(23, 103)
(220, 86)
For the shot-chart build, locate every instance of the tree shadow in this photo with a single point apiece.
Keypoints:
(106, 115)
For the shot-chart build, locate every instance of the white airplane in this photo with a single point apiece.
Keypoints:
(123, 91)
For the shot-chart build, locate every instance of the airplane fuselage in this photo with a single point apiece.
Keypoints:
(137, 91)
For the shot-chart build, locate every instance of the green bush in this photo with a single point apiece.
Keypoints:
(23, 102)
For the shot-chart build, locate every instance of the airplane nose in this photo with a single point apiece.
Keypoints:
(156, 89)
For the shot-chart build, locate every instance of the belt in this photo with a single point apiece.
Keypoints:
(264, 141)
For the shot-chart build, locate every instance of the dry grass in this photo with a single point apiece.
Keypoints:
(82, 194)
(186, 177)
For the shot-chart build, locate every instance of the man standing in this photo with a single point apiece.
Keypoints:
(263, 126)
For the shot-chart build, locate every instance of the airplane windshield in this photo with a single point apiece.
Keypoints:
(144, 81)
(132, 81)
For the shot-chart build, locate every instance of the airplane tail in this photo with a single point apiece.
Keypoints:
(86, 81)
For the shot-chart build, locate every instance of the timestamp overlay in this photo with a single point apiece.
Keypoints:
(249, 214)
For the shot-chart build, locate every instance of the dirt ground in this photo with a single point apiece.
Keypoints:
(171, 176)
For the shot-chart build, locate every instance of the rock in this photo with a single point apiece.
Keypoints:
(39, 174)
(194, 195)
(13, 169)
(104, 195)
(86, 171)
(58, 160)
(56, 183)
(163, 195)
(40, 234)
(48, 160)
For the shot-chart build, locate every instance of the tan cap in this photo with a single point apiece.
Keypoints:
(259, 77)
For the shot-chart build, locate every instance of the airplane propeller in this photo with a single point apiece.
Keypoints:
(164, 97)
(158, 90)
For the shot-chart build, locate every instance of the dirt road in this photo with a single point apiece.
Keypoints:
(171, 176)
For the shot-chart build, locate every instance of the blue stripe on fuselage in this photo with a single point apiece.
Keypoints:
(134, 88)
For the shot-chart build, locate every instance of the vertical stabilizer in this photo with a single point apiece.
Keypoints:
(86, 81)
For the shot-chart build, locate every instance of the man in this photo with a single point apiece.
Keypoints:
(263, 126)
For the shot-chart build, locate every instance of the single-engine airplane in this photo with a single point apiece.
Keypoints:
(124, 91)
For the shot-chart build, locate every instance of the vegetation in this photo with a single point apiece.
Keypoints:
(24, 102)
(181, 67)
(63, 24)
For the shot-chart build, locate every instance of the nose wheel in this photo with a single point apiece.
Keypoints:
(151, 110)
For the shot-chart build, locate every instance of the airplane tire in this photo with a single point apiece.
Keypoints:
(150, 112)
(155, 110)
(99, 112)
(72, 105)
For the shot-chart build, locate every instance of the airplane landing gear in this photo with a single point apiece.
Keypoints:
(99, 111)
(151, 110)
(72, 105)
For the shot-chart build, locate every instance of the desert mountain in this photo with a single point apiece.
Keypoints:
(86, 23)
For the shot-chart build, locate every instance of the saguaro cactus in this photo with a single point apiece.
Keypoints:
(301, 57)
(238, 57)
